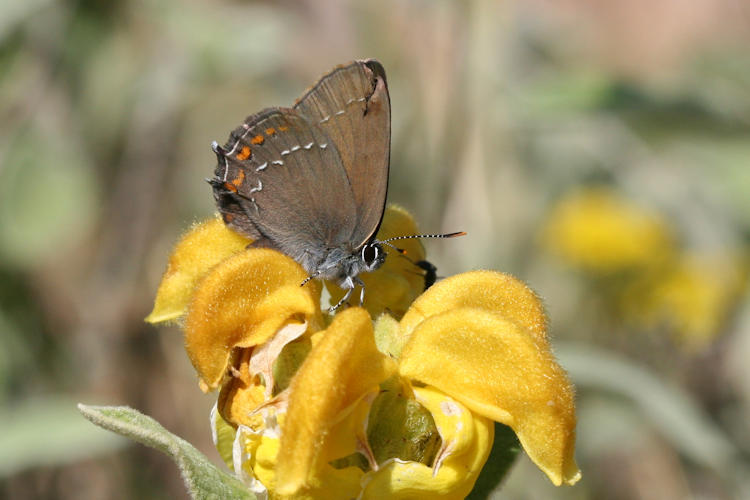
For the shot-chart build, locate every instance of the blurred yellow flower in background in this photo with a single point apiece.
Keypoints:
(319, 406)
(691, 298)
(599, 231)
(660, 285)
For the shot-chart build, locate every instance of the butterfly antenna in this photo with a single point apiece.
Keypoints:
(399, 250)
(445, 235)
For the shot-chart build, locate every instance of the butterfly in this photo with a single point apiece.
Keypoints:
(311, 181)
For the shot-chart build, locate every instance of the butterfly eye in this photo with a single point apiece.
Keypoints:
(370, 254)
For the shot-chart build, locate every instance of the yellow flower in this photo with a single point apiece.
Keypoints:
(691, 297)
(599, 231)
(664, 287)
(481, 338)
(313, 406)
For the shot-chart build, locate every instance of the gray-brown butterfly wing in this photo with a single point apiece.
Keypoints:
(280, 180)
(351, 104)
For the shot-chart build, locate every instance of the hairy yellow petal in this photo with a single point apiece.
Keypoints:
(342, 368)
(490, 290)
(242, 302)
(502, 371)
(204, 246)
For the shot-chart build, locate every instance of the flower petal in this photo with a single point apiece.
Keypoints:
(467, 440)
(242, 302)
(454, 423)
(255, 462)
(388, 336)
(502, 371)
(342, 368)
(399, 222)
(223, 435)
(254, 457)
(264, 356)
(204, 246)
(497, 292)
(242, 394)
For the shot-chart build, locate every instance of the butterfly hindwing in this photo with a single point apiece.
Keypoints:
(280, 180)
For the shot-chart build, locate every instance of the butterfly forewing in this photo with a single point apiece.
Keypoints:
(281, 181)
(351, 104)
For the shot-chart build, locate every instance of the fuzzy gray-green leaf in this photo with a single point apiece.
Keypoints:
(202, 478)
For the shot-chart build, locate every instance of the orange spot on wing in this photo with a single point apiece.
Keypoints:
(228, 218)
(258, 139)
(230, 187)
(244, 154)
(283, 128)
(270, 131)
(240, 178)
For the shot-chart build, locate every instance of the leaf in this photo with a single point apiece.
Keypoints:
(202, 478)
(503, 455)
(32, 180)
(14, 14)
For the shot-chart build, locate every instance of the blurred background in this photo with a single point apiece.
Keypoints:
(597, 150)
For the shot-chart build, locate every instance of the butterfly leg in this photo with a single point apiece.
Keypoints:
(343, 299)
(313, 275)
(362, 290)
(349, 285)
